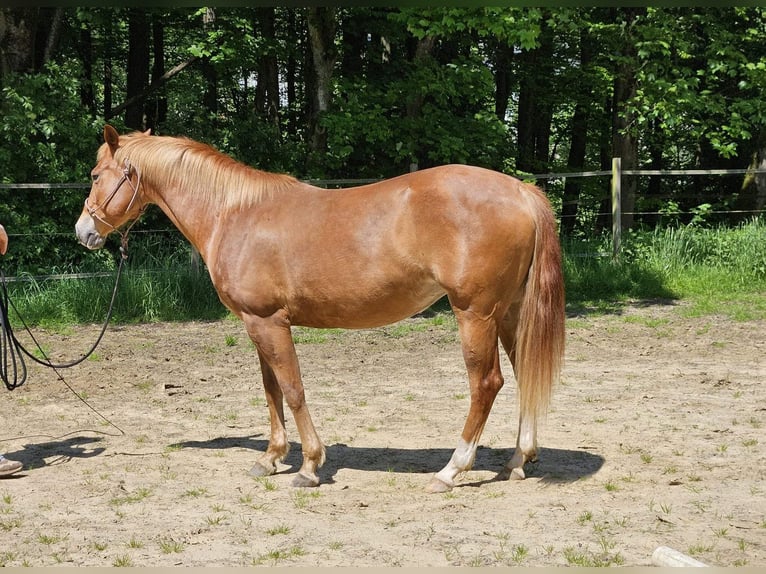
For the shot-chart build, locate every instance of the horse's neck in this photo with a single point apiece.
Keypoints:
(194, 216)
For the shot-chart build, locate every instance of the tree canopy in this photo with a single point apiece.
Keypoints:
(347, 92)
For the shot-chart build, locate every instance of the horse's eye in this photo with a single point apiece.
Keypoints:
(94, 177)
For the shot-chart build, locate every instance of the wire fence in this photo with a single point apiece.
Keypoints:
(615, 177)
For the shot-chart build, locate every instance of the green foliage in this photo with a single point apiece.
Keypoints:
(703, 266)
(716, 270)
(44, 137)
(702, 75)
(453, 125)
(699, 101)
(157, 284)
(509, 24)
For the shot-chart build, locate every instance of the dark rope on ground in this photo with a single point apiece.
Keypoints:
(13, 367)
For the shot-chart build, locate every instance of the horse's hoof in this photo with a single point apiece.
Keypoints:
(262, 470)
(511, 474)
(517, 474)
(436, 486)
(303, 481)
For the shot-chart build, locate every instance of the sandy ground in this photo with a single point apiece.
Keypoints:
(655, 437)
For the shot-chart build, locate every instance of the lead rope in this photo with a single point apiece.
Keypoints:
(13, 368)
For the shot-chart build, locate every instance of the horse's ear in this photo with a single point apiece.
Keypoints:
(148, 132)
(111, 137)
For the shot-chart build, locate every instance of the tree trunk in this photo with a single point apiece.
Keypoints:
(52, 39)
(210, 96)
(624, 139)
(291, 68)
(267, 88)
(750, 199)
(503, 58)
(87, 94)
(604, 215)
(535, 106)
(414, 107)
(655, 144)
(321, 29)
(108, 68)
(578, 141)
(575, 163)
(157, 108)
(138, 66)
(18, 27)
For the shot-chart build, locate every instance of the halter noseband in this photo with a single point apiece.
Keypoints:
(92, 211)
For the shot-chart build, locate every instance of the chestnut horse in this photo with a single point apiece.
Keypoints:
(281, 252)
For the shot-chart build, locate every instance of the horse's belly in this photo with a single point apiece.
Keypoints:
(361, 309)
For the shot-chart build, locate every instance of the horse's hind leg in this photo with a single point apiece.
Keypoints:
(526, 439)
(478, 336)
(278, 445)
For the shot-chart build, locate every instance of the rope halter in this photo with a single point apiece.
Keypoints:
(93, 211)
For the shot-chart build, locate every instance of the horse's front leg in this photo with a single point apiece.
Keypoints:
(278, 445)
(274, 341)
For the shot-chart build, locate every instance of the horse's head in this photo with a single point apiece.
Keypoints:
(115, 195)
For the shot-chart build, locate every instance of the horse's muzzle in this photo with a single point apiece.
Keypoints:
(85, 229)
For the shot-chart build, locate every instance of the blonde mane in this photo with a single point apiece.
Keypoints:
(198, 169)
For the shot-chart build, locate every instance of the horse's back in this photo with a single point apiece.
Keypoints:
(374, 254)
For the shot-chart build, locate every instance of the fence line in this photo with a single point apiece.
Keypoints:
(616, 174)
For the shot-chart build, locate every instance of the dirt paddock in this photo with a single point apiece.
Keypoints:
(655, 437)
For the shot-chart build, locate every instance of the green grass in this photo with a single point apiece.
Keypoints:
(718, 270)
(713, 270)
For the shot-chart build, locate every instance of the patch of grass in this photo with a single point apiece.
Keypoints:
(122, 561)
(280, 529)
(134, 543)
(195, 492)
(6, 525)
(698, 549)
(170, 546)
(718, 271)
(6, 558)
(586, 516)
(266, 483)
(275, 556)
(313, 336)
(137, 496)
(589, 559)
(302, 497)
(652, 323)
(611, 486)
(48, 540)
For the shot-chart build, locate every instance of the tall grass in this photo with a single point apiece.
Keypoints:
(156, 285)
(720, 269)
(713, 270)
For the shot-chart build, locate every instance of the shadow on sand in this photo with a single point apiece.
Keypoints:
(37, 455)
(554, 465)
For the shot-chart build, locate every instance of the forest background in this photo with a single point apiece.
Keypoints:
(363, 92)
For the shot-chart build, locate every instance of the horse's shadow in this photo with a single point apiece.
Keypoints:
(37, 455)
(554, 465)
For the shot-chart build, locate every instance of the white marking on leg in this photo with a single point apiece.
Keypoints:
(527, 439)
(462, 459)
(526, 447)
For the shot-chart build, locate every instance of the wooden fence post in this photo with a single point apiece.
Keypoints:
(616, 207)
